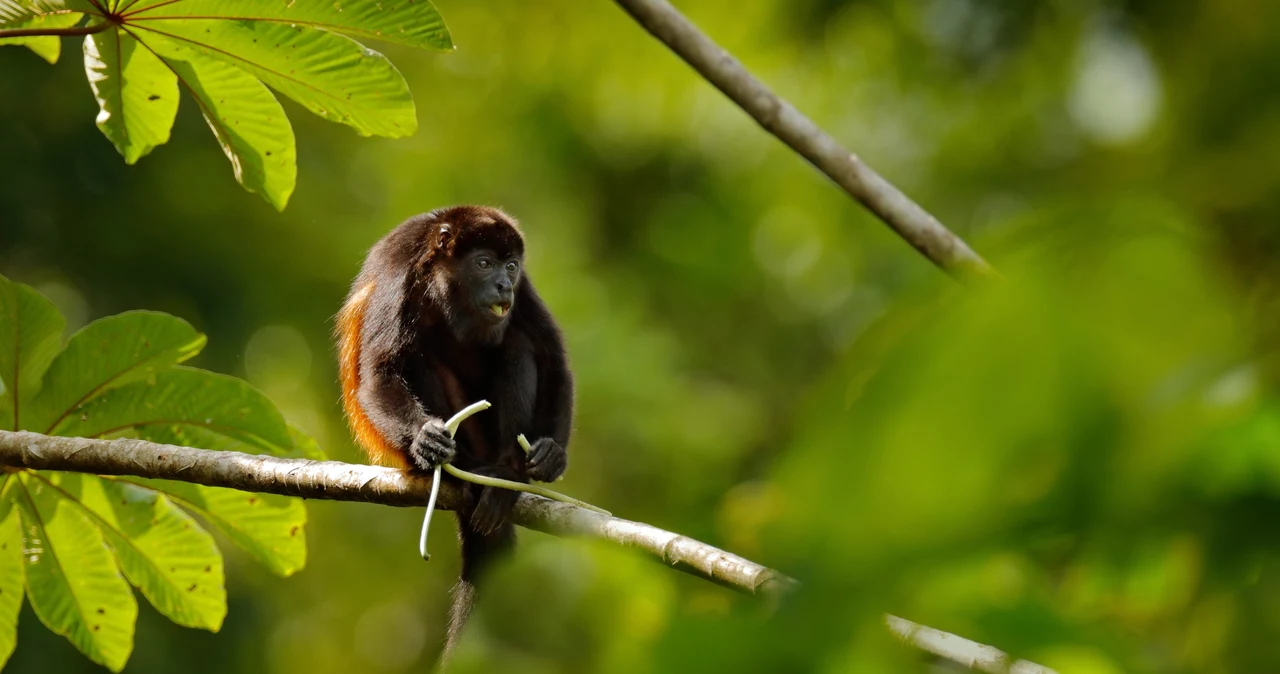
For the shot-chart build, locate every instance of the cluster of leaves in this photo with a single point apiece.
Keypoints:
(79, 541)
(225, 53)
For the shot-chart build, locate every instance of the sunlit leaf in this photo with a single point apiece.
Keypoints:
(14, 11)
(268, 527)
(11, 588)
(72, 579)
(30, 336)
(137, 95)
(48, 47)
(162, 550)
(107, 354)
(415, 23)
(222, 52)
(246, 119)
(186, 405)
(331, 75)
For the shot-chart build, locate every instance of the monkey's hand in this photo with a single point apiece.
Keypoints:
(433, 446)
(546, 460)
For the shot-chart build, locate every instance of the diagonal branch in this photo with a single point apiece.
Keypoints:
(782, 119)
(337, 481)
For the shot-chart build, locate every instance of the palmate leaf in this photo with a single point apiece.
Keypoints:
(81, 540)
(222, 52)
(162, 550)
(185, 403)
(109, 353)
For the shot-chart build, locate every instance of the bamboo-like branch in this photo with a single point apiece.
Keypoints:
(782, 119)
(55, 32)
(959, 650)
(337, 481)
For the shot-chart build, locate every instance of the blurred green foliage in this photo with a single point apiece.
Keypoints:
(1079, 465)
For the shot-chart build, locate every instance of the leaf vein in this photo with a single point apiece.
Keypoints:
(48, 546)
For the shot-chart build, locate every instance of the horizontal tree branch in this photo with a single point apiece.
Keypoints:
(782, 119)
(337, 481)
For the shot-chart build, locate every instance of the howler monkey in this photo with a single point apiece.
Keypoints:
(441, 315)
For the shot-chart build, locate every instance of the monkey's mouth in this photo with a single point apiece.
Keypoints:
(500, 309)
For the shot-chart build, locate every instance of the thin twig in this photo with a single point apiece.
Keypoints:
(782, 119)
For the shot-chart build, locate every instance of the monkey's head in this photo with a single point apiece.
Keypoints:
(474, 263)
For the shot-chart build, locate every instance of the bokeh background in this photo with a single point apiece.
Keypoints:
(1080, 465)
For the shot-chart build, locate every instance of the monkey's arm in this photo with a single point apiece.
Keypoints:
(417, 435)
(553, 406)
(553, 413)
(390, 423)
(553, 398)
(391, 408)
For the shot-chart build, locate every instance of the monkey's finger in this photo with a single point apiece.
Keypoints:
(541, 452)
(535, 459)
(440, 437)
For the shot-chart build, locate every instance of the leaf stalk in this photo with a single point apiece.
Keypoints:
(55, 32)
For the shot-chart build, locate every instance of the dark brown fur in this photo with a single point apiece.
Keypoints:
(413, 350)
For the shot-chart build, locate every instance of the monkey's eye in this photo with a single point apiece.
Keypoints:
(512, 267)
(483, 263)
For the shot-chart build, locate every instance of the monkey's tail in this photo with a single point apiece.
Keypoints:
(479, 552)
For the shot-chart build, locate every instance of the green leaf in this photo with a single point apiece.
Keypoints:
(416, 23)
(333, 76)
(30, 336)
(271, 528)
(10, 577)
(137, 95)
(13, 12)
(8, 494)
(72, 579)
(304, 447)
(49, 47)
(246, 119)
(106, 354)
(189, 407)
(225, 53)
(163, 551)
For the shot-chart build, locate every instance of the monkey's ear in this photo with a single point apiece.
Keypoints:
(444, 237)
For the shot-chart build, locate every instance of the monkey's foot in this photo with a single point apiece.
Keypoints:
(493, 509)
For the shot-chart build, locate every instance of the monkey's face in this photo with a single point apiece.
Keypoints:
(487, 280)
